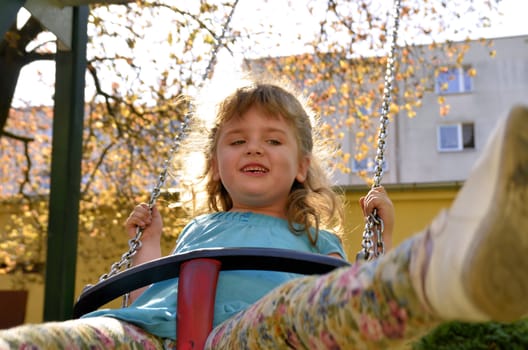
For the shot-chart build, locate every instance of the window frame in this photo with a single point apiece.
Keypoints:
(461, 144)
(462, 83)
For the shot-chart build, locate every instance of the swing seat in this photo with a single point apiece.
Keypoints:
(198, 275)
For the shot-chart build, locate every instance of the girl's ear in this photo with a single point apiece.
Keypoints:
(304, 165)
(214, 169)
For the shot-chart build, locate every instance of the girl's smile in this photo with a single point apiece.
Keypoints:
(254, 169)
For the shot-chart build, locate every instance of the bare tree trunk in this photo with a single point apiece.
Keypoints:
(13, 57)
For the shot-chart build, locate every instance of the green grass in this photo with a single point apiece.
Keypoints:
(481, 336)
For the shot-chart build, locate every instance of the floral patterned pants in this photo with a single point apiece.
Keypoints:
(95, 333)
(366, 306)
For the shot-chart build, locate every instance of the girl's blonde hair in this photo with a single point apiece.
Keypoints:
(312, 204)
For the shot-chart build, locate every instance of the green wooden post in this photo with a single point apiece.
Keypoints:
(66, 172)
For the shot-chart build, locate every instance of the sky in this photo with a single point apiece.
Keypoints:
(28, 90)
(283, 19)
(513, 22)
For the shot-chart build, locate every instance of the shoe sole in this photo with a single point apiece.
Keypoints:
(497, 268)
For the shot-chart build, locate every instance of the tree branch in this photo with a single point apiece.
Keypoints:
(16, 137)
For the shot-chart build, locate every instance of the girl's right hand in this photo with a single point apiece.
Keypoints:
(151, 223)
(152, 226)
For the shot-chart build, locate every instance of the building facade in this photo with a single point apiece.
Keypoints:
(431, 148)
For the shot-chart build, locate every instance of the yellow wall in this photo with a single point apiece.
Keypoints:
(415, 207)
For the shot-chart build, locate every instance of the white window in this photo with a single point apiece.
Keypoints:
(454, 80)
(456, 137)
(368, 165)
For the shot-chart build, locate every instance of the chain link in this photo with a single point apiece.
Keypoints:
(374, 224)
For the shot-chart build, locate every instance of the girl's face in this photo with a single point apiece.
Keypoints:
(257, 160)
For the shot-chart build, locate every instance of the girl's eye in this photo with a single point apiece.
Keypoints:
(274, 142)
(237, 142)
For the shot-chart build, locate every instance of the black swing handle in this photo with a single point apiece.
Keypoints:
(272, 259)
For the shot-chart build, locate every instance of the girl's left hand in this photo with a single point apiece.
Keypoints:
(377, 198)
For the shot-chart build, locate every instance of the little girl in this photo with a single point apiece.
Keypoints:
(266, 188)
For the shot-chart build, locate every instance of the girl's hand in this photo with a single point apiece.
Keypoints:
(151, 223)
(152, 226)
(378, 199)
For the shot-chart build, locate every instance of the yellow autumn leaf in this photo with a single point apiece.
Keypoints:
(349, 121)
(444, 110)
(460, 58)
(364, 148)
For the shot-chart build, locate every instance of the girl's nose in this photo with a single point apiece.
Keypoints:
(254, 148)
(258, 152)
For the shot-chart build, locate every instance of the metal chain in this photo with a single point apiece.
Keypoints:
(374, 224)
(134, 244)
